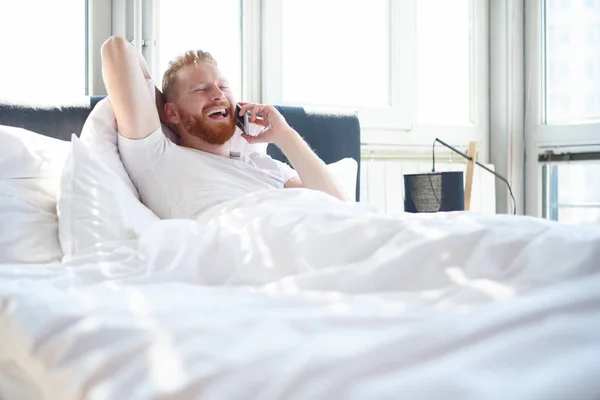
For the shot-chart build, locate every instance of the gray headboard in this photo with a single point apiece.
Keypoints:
(332, 136)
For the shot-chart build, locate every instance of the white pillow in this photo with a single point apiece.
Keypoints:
(100, 133)
(344, 172)
(95, 206)
(27, 154)
(30, 168)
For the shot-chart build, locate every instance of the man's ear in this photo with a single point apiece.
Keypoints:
(171, 113)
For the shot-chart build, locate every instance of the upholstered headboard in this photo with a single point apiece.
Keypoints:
(332, 136)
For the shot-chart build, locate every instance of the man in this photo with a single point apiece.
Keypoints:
(183, 181)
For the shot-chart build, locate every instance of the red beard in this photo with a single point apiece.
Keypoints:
(213, 132)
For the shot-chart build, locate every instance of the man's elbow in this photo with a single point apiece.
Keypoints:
(293, 183)
(113, 48)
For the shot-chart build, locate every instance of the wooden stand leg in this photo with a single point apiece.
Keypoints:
(471, 152)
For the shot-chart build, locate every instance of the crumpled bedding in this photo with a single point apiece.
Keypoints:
(291, 294)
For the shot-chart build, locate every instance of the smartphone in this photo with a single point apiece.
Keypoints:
(241, 121)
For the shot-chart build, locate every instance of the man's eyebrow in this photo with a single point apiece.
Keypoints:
(198, 83)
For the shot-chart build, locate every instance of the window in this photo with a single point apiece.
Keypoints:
(43, 49)
(572, 193)
(202, 24)
(336, 64)
(444, 61)
(571, 52)
(409, 67)
(341, 53)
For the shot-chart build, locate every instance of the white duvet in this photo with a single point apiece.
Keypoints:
(291, 294)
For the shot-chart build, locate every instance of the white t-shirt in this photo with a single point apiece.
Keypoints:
(177, 182)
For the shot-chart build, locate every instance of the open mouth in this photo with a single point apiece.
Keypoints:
(218, 113)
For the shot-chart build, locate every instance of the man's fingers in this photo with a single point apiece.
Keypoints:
(260, 121)
(254, 112)
(244, 108)
(259, 113)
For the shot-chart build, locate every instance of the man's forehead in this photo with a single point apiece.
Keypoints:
(199, 72)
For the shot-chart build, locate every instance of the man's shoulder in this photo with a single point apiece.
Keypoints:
(158, 141)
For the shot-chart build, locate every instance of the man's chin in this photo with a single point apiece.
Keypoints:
(215, 132)
(217, 136)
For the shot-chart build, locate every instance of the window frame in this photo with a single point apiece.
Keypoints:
(99, 18)
(252, 50)
(541, 136)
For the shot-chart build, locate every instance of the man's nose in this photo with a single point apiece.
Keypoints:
(217, 93)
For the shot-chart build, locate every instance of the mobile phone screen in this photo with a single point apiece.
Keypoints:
(241, 120)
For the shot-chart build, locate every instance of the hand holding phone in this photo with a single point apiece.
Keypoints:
(242, 120)
(275, 128)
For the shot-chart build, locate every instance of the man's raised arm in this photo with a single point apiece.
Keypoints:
(124, 74)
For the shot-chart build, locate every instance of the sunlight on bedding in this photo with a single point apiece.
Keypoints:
(110, 285)
(265, 253)
(370, 233)
(430, 294)
(138, 304)
(109, 270)
(165, 366)
(45, 165)
(339, 307)
(288, 286)
(89, 324)
(252, 245)
(428, 232)
(492, 289)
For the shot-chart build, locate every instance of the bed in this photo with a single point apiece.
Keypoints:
(318, 299)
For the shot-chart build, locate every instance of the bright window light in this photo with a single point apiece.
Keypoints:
(573, 193)
(572, 39)
(213, 26)
(43, 49)
(444, 57)
(336, 52)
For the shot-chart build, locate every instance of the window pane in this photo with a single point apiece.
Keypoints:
(572, 60)
(336, 52)
(444, 61)
(579, 183)
(43, 49)
(213, 26)
(579, 216)
(574, 193)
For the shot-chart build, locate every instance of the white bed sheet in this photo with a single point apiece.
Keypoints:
(308, 303)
